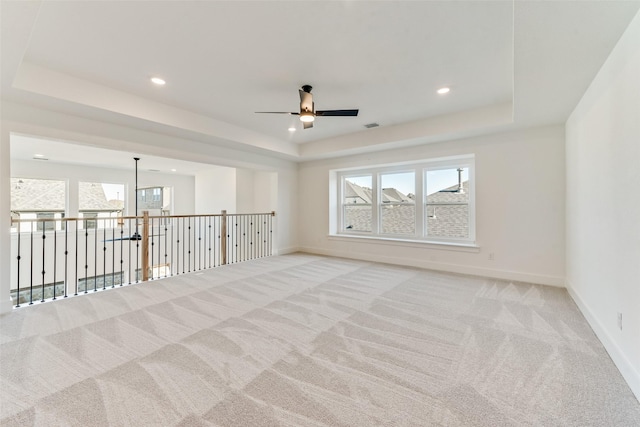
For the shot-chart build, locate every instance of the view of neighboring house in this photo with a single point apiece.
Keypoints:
(447, 210)
(46, 199)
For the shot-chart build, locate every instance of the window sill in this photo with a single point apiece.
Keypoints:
(428, 244)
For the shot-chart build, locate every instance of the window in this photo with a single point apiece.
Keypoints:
(90, 222)
(397, 209)
(356, 203)
(46, 225)
(33, 199)
(447, 203)
(154, 198)
(431, 200)
(98, 201)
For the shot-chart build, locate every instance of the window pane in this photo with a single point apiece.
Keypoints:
(37, 198)
(150, 198)
(46, 225)
(398, 211)
(97, 200)
(398, 219)
(357, 196)
(447, 203)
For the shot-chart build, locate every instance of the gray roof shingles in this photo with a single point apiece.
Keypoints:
(43, 195)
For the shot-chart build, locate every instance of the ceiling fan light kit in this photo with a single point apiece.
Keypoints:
(307, 117)
(308, 112)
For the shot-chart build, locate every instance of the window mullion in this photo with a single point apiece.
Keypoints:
(419, 202)
(375, 203)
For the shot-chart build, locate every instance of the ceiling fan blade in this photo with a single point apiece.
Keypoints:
(306, 101)
(307, 125)
(277, 112)
(337, 113)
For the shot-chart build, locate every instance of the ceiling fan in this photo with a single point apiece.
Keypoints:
(308, 112)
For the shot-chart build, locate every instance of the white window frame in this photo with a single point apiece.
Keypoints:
(420, 169)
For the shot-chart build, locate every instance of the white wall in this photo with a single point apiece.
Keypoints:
(256, 191)
(5, 220)
(245, 190)
(519, 208)
(603, 204)
(265, 196)
(215, 190)
(183, 185)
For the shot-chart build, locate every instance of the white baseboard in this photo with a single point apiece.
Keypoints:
(440, 266)
(285, 251)
(624, 365)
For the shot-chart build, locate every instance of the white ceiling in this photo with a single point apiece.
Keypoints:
(509, 64)
(51, 151)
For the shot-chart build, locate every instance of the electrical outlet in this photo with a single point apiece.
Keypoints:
(620, 321)
(491, 256)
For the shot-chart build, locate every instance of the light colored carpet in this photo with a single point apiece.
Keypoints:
(302, 340)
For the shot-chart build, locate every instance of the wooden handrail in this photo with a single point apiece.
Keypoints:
(122, 218)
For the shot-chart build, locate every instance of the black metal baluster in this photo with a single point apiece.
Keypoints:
(270, 234)
(183, 249)
(66, 255)
(104, 256)
(18, 257)
(165, 249)
(216, 223)
(75, 292)
(113, 254)
(95, 257)
(122, 253)
(238, 239)
(159, 244)
(210, 218)
(243, 237)
(44, 228)
(199, 242)
(131, 236)
(138, 237)
(86, 257)
(31, 276)
(252, 237)
(262, 227)
(173, 225)
(264, 236)
(189, 245)
(152, 247)
(55, 257)
(199, 250)
(234, 240)
(247, 238)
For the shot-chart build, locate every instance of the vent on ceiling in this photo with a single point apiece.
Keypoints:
(371, 125)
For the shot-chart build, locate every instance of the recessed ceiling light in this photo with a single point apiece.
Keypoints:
(38, 155)
(173, 170)
(443, 90)
(158, 81)
(292, 129)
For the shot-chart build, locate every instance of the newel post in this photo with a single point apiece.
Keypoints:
(145, 246)
(223, 237)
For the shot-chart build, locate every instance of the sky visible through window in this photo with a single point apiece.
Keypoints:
(114, 191)
(404, 182)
